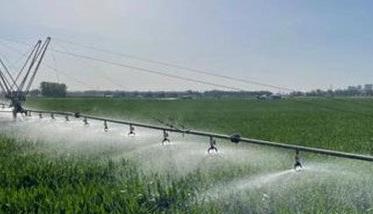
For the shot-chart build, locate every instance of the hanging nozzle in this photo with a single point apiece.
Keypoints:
(106, 128)
(85, 121)
(165, 137)
(132, 131)
(298, 164)
(212, 147)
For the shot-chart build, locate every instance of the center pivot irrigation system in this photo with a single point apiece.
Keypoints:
(16, 89)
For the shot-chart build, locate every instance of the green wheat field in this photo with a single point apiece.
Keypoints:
(54, 166)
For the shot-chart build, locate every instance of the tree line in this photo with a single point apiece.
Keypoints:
(52, 89)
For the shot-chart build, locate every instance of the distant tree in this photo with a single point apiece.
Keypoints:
(34, 92)
(297, 93)
(52, 89)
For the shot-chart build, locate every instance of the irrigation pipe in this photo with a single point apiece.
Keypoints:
(233, 138)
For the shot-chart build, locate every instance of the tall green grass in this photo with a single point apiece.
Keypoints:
(31, 182)
(35, 182)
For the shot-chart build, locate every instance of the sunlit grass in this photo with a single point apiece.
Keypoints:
(33, 181)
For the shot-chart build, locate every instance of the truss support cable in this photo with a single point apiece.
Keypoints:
(181, 67)
(4, 83)
(43, 50)
(7, 71)
(27, 61)
(147, 70)
(34, 54)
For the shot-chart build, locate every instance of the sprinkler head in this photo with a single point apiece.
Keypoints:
(40, 115)
(132, 131)
(165, 137)
(298, 166)
(67, 118)
(212, 146)
(85, 121)
(106, 128)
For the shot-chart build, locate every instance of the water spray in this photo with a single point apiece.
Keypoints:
(67, 118)
(234, 138)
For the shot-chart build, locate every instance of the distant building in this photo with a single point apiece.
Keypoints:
(368, 87)
(269, 97)
(109, 95)
(352, 88)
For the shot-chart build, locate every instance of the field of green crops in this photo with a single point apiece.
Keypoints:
(341, 124)
(54, 166)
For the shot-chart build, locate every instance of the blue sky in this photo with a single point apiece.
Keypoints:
(295, 44)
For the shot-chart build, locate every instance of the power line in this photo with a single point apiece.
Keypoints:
(50, 67)
(164, 64)
(104, 74)
(22, 54)
(54, 69)
(151, 71)
(167, 64)
(55, 65)
(70, 77)
(174, 76)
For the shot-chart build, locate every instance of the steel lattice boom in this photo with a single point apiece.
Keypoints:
(15, 88)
